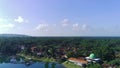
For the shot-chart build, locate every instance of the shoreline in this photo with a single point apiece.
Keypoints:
(67, 64)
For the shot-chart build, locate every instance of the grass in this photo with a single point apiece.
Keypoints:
(47, 59)
(43, 59)
(68, 64)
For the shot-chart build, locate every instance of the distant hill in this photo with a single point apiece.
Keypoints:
(13, 35)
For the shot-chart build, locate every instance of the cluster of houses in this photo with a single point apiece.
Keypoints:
(91, 59)
(48, 51)
(83, 61)
(61, 53)
(13, 59)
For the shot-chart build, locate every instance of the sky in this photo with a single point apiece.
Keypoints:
(60, 17)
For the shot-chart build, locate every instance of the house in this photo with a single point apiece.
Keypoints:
(64, 56)
(33, 48)
(22, 47)
(78, 61)
(92, 58)
(13, 60)
(21, 60)
(39, 53)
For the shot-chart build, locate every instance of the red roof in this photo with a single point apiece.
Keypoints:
(78, 60)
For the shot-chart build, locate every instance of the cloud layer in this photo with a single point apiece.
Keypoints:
(65, 22)
(63, 27)
(7, 25)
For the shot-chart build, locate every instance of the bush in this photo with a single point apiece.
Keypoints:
(94, 66)
(115, 62)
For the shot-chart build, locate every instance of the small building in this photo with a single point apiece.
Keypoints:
(78, 61)
(13, 60)
(39, 53)
(92, 58)
(22, 47)
(33, 48)
(21, 60)
(64, 56)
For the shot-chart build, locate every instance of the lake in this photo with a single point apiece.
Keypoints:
(34, 65)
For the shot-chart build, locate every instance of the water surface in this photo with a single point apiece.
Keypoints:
(34, 65)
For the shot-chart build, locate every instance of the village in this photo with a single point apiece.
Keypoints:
(70, 52)
(59, 54)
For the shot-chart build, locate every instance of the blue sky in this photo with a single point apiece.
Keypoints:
(60, 17)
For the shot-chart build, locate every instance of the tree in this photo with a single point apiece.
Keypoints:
(105, 52)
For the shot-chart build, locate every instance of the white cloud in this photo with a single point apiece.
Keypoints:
(19, 19)
(65, 27)
(4, 26)
(42, 27)
(65, 22)
(76, 26)
(84, 27)
(3, 20)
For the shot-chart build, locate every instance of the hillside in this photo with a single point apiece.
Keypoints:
(13, 35)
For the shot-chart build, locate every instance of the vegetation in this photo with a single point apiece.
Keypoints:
(68, 64)
(94, 66)
(106, 48)
(43, 59)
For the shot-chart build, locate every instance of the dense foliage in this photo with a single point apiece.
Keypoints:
(104, 47)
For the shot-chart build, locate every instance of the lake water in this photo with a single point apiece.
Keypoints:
(34, 65)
